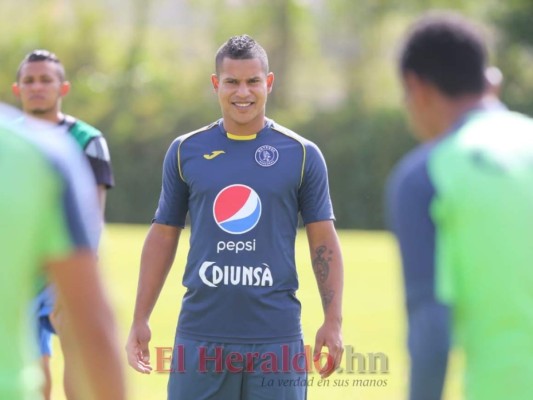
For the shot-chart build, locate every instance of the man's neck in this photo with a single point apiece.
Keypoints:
(452, 110)
(245, 130)
(55, 117)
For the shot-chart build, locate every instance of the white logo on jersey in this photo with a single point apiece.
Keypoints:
(266, 156)
(213, 275)
(236, 247)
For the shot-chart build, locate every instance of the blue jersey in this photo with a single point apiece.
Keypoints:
(243, 198)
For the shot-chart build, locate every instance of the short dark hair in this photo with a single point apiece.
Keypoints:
(42, 55)
(448, 51)
(241, 47)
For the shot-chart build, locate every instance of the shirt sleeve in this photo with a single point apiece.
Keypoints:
(80, 200)
(174, 199)
(314, 198)
(409, 197)
(99, 158)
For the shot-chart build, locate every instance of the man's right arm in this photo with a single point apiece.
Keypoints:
(88, 331)
(70, 227)
(156, 260)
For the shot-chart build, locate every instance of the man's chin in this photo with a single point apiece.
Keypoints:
(38, 111)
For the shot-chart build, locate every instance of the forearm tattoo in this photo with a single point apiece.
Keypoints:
(322, 268)
(321, 263)
(327, 297)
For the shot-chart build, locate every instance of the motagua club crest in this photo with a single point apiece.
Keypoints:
(266, 156)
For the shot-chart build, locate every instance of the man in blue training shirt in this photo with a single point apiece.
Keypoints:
(243, 180)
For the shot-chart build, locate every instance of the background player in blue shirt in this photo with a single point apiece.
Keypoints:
(41, 85)
(242, 180)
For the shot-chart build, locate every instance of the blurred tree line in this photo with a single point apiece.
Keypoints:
(141, 70)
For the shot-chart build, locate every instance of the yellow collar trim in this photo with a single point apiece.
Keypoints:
(241, 137)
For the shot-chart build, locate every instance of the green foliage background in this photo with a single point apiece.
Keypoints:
(140, 71)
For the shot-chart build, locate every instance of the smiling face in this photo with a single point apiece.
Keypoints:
(40, 89)
(242, 87)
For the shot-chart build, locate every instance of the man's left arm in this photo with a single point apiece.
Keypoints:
(410, 197)
(328, 268)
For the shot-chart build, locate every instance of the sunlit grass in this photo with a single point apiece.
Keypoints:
(374, 319)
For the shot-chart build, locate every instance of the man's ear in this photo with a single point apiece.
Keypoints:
(215, 82)
(65, 88)
(270, 81)
(420, 90)
(413, 84)
(15, 89)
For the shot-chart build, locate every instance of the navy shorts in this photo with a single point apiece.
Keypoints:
(271, 371)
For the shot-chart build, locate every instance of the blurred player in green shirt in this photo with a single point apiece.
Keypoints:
(44, 229)
(41, 86)
(461, 205)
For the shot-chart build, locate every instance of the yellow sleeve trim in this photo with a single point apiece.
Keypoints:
(294, 136)
(185, 137)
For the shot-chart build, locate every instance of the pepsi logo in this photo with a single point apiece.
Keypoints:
(237, 209)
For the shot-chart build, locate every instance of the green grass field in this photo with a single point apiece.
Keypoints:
(373, 314)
